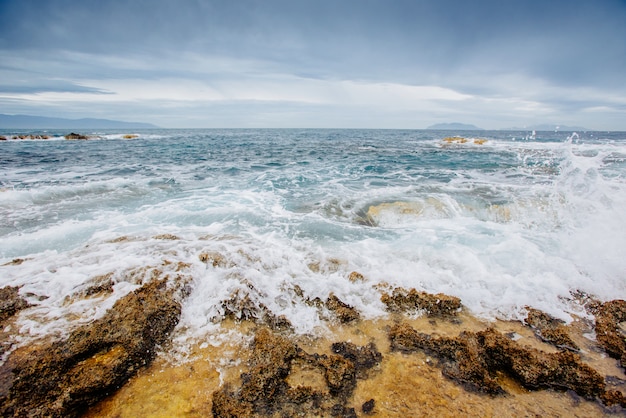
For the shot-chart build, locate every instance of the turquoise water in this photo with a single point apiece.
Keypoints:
(518, 220)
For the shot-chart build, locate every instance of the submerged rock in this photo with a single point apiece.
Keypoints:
(62, 378)
(355, 277)
(368, 407)
(363, 357)
(474, 358)
(214, 258)
(265, 390)
(608, 332)
(550, 329)
(434, 304)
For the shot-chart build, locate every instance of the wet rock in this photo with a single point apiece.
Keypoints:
(62, 378)
(243, 307)
(342, 411)
(355, 276)
(265, 390)
(214, 258)
(270, 365)
(401, 300)
(166, 237)
(30, 136)
(455, 140)
(264, 383)
(10, 302)
(339, 373)
(98, 286)
(474, 358)
(550, 330)
(3, 138)
(344, 312)
(15, 262)
(226, 405)
(363, 357)
(608, 332)
(76, 136)
(368, 407)
(613, 397)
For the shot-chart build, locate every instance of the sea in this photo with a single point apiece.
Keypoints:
(504, 220)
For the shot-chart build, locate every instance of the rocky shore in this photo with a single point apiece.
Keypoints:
(429, 357)
(70, 136)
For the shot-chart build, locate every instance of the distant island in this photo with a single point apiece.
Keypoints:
(454, 127)
(42, 122)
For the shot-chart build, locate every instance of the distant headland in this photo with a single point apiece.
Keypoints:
(42, 122)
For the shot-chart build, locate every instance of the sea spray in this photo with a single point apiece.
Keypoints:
(500, 224)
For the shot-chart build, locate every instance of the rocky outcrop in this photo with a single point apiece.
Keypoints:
(344, 312)
(473, 359)
(550, 330)
(608, 332)
(401, 300)
(265, 389)
(30, 136)
(62, 378)
(10, 303)
(242, 306)
(76, 136)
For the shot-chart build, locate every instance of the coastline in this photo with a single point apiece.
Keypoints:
(402, 384)
(399, 365)
(144, 278)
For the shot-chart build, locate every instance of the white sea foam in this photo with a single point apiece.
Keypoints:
(544, 219)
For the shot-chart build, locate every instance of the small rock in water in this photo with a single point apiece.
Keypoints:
(76, 136)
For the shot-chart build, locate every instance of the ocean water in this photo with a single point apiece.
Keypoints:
(516, 220)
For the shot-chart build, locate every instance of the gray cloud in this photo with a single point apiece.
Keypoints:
(538, 53)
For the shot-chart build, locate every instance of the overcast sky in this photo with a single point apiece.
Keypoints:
(317, 63)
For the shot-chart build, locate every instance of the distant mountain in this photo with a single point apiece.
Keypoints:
(454, 127)
(549, 127)
(42, 122)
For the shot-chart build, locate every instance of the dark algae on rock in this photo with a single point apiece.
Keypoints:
(62, 378)
(474, 358)
(550, 330)
(265, 390)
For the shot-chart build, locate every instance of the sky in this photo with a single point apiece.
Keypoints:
(317, 63)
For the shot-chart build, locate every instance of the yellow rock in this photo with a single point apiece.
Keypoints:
(455, 139)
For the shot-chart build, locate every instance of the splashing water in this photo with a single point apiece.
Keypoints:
(284, 216)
